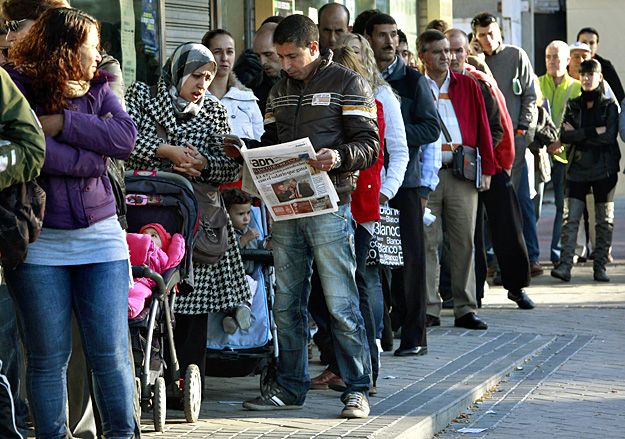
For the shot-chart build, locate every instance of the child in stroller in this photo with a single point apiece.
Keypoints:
(239, 204)
(157, 249)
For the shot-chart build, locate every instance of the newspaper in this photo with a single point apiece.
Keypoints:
(289, 187)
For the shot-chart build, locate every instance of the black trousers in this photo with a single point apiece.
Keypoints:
(190, 339)
(506, 230)
(408, 284)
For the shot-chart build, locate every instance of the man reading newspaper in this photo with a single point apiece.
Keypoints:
(335, 108)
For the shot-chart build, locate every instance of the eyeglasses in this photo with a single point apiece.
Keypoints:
(483, 21)
(13, 25)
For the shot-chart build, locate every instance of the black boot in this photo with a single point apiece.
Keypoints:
(573, 211)
(604, 227)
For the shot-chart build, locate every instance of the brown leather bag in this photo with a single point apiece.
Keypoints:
(210, 243)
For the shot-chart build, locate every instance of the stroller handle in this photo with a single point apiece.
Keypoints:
(143, 271)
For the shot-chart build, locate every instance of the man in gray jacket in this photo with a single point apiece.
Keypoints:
(513, 71)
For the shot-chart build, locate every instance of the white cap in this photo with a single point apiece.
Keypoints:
(578, 45)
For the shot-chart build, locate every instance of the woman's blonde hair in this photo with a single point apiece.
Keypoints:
(372, 74)
(346, 56)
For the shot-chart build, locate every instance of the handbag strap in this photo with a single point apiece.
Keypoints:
(161, 133)
(444, 128)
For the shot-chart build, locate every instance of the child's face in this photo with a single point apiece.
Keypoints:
(240, 215)
(154, 235)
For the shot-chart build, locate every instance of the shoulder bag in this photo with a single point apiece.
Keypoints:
(22, 208)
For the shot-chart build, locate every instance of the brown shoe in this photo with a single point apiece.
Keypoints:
(536, 269)
(321, 382)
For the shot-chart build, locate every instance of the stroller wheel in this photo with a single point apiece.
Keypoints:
(137, 398)
(159, 404)
(268, 379)
(192, 393)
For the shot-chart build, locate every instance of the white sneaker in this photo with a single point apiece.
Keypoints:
(356, 406)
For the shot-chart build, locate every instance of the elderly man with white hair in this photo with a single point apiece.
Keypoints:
(558, 87)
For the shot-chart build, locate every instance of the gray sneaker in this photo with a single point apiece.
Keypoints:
(230, 325)
(243, 316)
(356, 406)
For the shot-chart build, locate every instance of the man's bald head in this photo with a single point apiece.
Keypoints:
(265, 50)
(333, 23)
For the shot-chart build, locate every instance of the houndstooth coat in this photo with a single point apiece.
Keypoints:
(223, 285)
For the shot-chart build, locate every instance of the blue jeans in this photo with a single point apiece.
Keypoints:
(370, 291)
(529, 217)
(98, 294)
(557, 178)
(329, 240)
(11, 354)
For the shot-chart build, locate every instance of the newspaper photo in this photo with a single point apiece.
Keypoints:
(289, 187)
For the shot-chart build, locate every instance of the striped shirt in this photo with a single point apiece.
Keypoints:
(448, 117)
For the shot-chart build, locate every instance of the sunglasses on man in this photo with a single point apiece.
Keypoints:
(483, 21)
(13, 25)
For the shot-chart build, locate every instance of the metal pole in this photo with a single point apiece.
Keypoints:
(248, 11)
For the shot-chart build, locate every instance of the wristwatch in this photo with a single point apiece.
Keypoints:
(337, 163)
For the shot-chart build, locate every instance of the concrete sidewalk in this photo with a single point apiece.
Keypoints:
(555, 371)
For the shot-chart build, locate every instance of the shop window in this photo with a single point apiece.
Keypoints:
(130, 32)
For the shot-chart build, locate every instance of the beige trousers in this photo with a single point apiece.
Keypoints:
(456, 200)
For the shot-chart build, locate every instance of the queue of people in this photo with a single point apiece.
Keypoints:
(408, 134)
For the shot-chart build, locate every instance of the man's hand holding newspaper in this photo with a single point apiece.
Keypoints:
(291, 177)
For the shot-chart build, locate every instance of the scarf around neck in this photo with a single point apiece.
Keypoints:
(76, 89)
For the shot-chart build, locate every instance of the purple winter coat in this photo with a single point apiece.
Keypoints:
(74, 174)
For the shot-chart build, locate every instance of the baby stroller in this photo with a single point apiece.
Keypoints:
(254, 351)
(167, 199)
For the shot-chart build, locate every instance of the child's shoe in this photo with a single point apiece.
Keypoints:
(243, 317)
(229, 324)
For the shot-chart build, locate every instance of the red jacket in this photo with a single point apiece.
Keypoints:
(468, 102)
(366, 197)
(504, 151)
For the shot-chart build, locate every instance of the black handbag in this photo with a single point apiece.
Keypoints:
(22, 208)
(210, 243)
(464, 158)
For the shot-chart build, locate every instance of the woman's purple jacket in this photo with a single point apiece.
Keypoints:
(74, 174)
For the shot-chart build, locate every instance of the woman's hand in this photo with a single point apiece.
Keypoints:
(193, 164)
(52, 124)
(567, 126)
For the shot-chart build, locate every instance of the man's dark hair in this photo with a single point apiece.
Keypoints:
(589, 30)
(297, 29)
(272, 19)
(361, 21)
(426, 38)
(320, 13)
(438, 24)
(482, 20)
(590, 66)
(208, 36)
(402, 36)
(378, 19)
(234, 195)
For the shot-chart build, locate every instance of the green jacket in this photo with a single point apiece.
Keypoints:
(22, 143)
(557, 97)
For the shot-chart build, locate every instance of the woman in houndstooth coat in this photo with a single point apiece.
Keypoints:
(193, 126)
